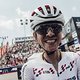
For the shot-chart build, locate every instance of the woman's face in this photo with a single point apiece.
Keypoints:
(50, 41)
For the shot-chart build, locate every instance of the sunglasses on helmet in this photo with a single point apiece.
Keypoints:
(42, 29)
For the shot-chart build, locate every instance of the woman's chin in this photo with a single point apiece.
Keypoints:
(51, 49)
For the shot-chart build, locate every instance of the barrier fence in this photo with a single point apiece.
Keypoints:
(11, 73)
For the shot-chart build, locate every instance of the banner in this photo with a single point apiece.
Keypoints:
(77, 26)
(11, 73)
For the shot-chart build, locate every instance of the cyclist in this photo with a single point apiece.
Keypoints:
(47, 22)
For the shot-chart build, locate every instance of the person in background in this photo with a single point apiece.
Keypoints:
(46, 22)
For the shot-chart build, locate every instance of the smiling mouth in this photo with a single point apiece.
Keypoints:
(51, 41)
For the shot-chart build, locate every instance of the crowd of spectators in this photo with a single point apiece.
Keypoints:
(19, 53)
(74, 48)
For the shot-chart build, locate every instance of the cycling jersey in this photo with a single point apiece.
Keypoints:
(38, 69)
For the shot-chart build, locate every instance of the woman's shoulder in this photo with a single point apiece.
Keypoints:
(70, 55)
(32, 60)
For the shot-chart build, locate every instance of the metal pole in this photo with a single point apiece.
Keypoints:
(24, 22)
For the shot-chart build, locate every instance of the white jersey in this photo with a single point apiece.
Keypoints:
(38, 69)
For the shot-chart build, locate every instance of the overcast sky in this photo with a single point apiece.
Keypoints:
(11, 11)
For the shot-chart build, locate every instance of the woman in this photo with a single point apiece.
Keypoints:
(47, 22)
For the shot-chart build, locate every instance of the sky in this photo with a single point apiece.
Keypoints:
(12, 11)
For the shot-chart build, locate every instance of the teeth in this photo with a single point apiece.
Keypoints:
(50, 41)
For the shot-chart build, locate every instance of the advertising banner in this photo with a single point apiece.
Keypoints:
(11, 73)
(77, 26)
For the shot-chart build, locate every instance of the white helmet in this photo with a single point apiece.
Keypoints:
(46, 13)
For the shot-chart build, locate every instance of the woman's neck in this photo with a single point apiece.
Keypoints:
(56, 57)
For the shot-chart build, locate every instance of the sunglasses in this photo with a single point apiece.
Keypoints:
(44, 28)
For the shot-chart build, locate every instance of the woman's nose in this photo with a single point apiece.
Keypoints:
(50, 32)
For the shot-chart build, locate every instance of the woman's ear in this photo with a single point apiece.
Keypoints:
(35, 35)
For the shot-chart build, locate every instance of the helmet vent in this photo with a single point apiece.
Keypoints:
(54, 9)
(41, 10)
(33, 13)
(48, 9)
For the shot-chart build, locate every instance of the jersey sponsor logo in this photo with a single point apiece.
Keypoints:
(69, 67)
(37, 72)
(46, 72)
